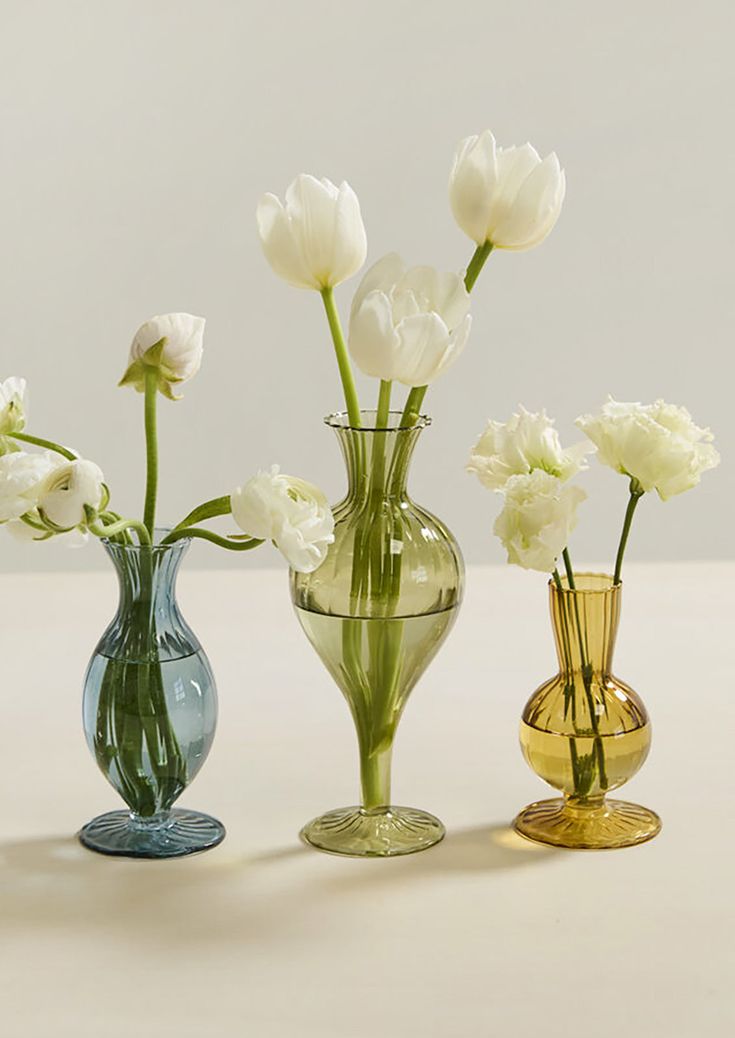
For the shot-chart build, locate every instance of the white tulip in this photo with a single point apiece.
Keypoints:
(66, 490)
(317, 239)
(540, 513)
(21, 481)
(526, 442)
(12, 410)
(177, 360)
(408, 325)
(507, 196)
(658, 445)
(292, 513)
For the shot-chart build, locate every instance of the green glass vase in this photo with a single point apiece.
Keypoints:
(377, 611)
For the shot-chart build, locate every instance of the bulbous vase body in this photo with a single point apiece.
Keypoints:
(377, 611)
(150, 711)
(585, 731)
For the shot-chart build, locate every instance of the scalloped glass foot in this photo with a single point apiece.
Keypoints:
(616, 823)
(171, 835)
(374, 834)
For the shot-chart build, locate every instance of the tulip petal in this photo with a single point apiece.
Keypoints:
(472, 185)
(280, 246)
(382, 275)
(373, 341)
(535, 208)
(424, 340)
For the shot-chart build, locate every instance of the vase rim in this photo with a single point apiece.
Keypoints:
(595, 583)
(341, 420)
(159, 532)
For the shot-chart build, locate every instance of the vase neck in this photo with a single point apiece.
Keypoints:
(147, 575)
(377, 459)
(585, 622)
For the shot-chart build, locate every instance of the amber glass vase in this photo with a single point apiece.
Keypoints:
(585, 732)
(377, 611)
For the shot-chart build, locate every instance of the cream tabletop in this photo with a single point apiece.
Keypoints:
(484, 935)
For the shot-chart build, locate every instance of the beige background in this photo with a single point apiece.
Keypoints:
(137, 138)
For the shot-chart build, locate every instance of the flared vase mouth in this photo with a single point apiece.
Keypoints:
(156, 548)
(586, 584)
(341, 420)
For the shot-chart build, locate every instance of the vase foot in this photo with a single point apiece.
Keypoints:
(373, 834)
(181, 832)
(615, 823)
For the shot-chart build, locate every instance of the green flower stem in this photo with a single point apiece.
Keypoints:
(636, 493)
(557, 580)
(208, 510)
(151, 450)
(247, 544)
(383, 413)
(413, 406)
(476, 264)
(343, 360)
(48, 445)
(569, 569)
(100, 530)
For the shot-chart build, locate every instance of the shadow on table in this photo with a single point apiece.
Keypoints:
(53, 884)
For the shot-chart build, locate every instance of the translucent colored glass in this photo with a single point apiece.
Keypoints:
(150, 710)
(377, 611)
(586, 732)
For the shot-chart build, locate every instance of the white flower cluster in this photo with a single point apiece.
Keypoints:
(657, 446)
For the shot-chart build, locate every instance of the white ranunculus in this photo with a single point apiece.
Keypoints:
(179, 358)
(67, 489)
(526, 442)
(408, 325)
(12, 410)
(289, 511)
(507, 196)
(658, 445)
(317, 238)
(22, 475)
(540, 513)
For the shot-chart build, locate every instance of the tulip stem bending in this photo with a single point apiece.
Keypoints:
(343, 361)
(635, 495)
(151, 450)
(48, 445)
(476, 264)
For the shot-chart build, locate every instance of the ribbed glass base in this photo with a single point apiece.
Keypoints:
(170, 834)
(606, 825)
(381, 833)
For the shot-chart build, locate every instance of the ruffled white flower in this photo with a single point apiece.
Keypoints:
(539, 515)
(67, 490)
(179, 342)
(658, 445)
(12, 411)
(507, 196)
(22, 475)
(292, 513)
(526, 442)
(410, 325)
(317, 238)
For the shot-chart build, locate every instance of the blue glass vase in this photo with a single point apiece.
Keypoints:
(150, 711)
